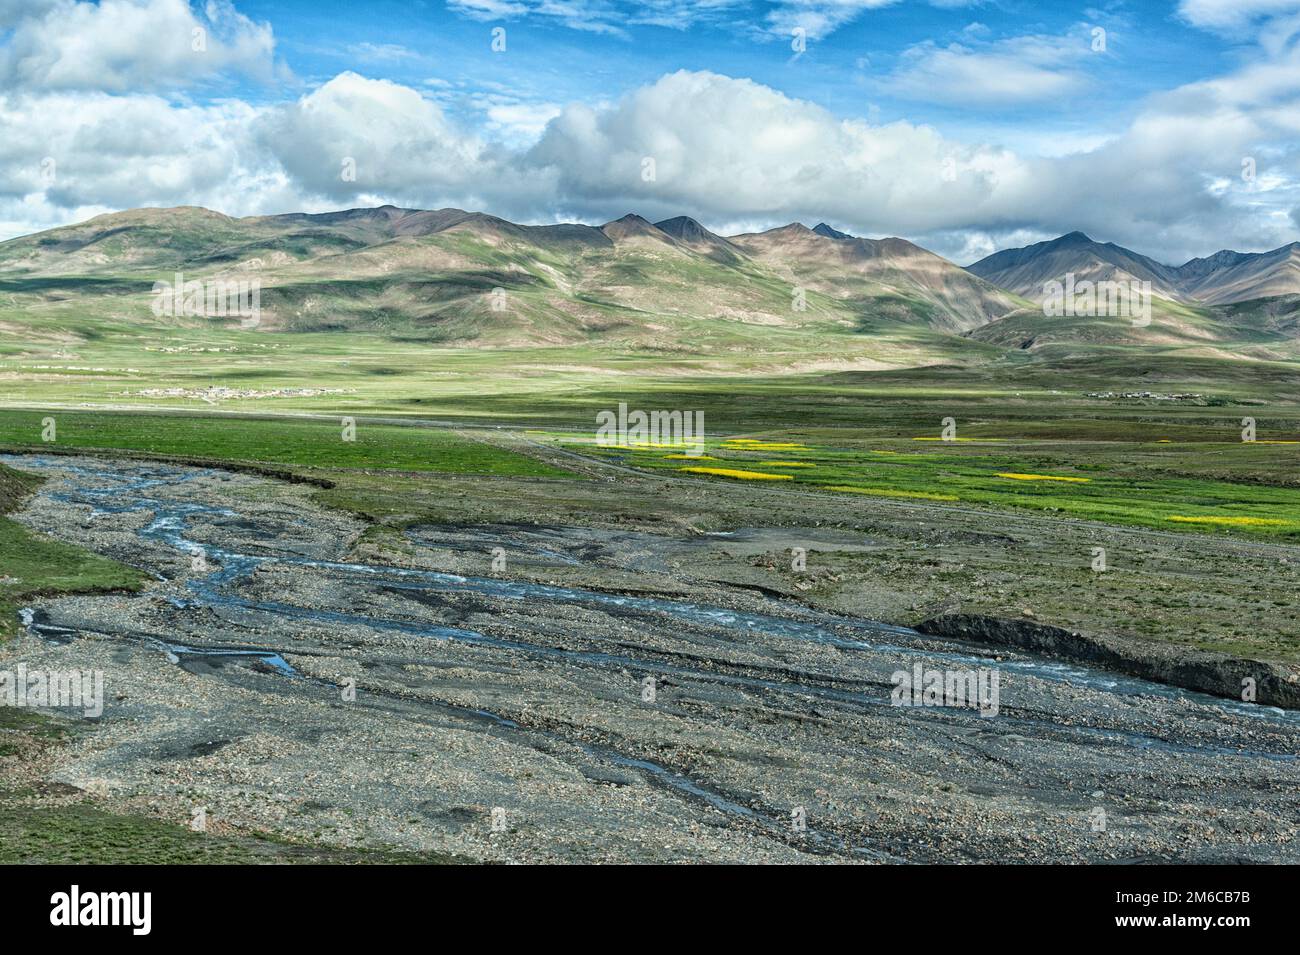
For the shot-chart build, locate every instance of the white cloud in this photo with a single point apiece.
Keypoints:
(1012, 71)
(64, 153)
(819, 18)
(591, 16)
(491, 9)
(11, 11)
(681, 14)
(380, 52)
(603, 16)
(726, 150)
(1233, 14)
(129, 45)
(519, 123)
(398, 141)
(355, 139)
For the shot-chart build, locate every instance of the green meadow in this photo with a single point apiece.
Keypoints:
(1175, 465)
(1155, 485)
(287, 441)
(33, 565)
(1172, 467)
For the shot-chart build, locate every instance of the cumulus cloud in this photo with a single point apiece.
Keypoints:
(11, 11)
(727, 150)
(387, 136)
(723, 149)
(356, 138)
(518, 123)
(66, 156)
(128, 45)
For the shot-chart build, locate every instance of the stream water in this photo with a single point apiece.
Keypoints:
(222, 584)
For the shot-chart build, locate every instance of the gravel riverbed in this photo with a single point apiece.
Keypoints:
(588, 700)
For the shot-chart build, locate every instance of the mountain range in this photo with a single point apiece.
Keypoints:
(454, 277)
(1223, 278)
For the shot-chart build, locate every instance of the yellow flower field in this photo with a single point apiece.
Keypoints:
(753, 444)
(1016, 476)
(742, 475)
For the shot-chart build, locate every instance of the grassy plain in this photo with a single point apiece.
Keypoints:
(1173, 467)
(33, 565)
(294, 441)
(1202, 485)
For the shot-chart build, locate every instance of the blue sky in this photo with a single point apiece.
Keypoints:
(1149, 48)
(964, 126)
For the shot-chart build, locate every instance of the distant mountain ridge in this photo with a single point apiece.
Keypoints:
(431, 268)
(455, 276)
(1226, 277)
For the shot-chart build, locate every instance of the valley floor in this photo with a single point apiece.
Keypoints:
(499, 632)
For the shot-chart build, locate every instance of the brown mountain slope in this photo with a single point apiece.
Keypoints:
(431, 272)
(1243, 276)
(1219, 279)
(892, 268)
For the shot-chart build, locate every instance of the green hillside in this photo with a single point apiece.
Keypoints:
(426, 312)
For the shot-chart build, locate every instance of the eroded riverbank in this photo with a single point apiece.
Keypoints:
(523, 691)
